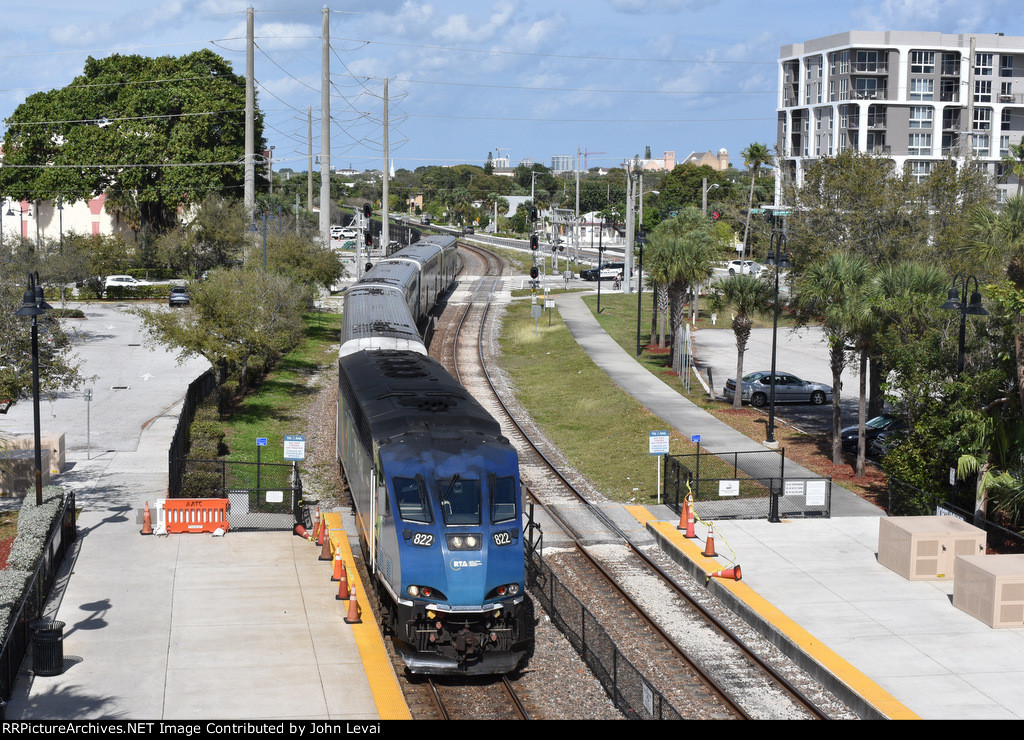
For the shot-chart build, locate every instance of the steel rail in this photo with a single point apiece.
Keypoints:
(777, 677)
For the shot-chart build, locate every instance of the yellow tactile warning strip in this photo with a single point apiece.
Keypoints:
(387, 694)
(868, 690)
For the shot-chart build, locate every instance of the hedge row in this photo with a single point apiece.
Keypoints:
(34, 524)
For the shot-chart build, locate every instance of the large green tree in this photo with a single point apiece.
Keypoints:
(58, 368)
(151, 133)
(241, 318)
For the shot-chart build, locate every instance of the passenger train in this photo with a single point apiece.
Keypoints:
(435, 485)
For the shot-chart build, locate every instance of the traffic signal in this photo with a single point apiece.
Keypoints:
(534, 272)
(533, 214)
(534, 242)
(368, 237)
(367, 210)
(770, 217)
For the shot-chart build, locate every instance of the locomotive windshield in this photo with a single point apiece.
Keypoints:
(460, 500)
(412, 499)
(503, 499)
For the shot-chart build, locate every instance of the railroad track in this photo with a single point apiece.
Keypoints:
(484, 699)
(705, 668)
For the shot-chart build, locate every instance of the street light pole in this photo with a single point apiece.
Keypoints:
(778, 254)
(957, 299)
(33, 305)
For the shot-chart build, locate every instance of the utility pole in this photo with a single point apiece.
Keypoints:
(385, 231)
(576, 223)
(631, 168)
(249, 196)
(325, 127)
(309, 159)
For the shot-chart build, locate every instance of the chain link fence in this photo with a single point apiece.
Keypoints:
(630, 691)
(263, 496)
(744, 485)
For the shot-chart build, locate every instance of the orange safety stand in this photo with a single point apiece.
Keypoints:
(196, 514)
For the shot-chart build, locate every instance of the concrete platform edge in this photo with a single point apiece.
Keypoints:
(860, 693)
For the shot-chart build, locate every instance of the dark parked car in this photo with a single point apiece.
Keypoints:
(872, 428)
(179, 296)
(788, 389)
(879, 447)
(608, 271)
(468, 230)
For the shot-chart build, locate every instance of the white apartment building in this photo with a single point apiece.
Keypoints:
(916, 97)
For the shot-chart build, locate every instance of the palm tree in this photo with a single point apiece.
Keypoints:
(827, 292)
(999, 240)
(681, 254)
(747, 296)
(755, 156)
(1014, 161)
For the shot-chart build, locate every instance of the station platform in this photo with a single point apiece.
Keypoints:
(891, 647)
(244, 626)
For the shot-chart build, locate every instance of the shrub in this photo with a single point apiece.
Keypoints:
(34, 524)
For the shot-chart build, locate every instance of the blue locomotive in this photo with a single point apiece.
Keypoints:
(435, 485)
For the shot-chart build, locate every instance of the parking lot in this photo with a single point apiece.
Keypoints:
(801, 352)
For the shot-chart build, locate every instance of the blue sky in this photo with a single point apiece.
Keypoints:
(518, 77)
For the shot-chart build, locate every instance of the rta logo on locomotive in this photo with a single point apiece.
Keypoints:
(427, 463)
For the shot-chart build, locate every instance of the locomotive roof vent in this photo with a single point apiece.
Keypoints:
(399, 367)
(431, 403)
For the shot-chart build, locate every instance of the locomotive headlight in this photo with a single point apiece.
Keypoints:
(464, 542)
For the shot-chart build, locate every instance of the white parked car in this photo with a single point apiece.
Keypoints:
(336, 232)
(123, 281)
(744, 267)
(348, 233)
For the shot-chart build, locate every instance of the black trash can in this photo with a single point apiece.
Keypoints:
(47, 647)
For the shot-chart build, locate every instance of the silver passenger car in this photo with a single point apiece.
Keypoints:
(788, 389)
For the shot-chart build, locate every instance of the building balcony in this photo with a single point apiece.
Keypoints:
(869, 68)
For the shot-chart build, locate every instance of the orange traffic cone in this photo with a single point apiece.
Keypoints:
(301, 532)
(729, 573)
(343, 591)
(147, 521)
(339, 566)
(325, 550)
(353, 609)
(690, 533)
(318, 529)
(684, 515)
(709, 545)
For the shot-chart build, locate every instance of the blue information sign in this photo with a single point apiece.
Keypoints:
(261, 441)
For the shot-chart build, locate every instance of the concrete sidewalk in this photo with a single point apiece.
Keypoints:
(669, 405)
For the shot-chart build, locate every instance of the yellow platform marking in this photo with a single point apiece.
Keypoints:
(838, 666)
(387, 694)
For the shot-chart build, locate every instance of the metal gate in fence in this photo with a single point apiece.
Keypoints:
(264, 496)
(744, 485)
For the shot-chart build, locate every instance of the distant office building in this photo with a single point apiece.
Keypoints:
(915, 97)
(563, 163)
